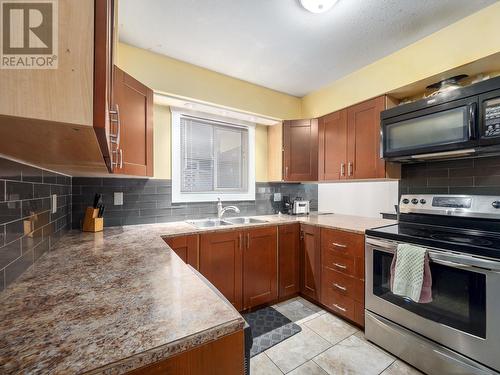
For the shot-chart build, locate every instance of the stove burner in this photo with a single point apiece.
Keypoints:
(466, 240)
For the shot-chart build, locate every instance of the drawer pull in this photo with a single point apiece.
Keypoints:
(339, 245)
(339, 307)
(340, 287)
(341, 266)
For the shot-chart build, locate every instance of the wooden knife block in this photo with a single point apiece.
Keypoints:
(92, 223)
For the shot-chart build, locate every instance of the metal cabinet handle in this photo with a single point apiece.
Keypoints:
(339, 307)
(248, 240)
(114, 159)
(240, 240)
(115, 137)
(341, 266)
(286, 173)
(349, 168)
(336, 244)
(121, 158)
(342, 288)
(342, 169)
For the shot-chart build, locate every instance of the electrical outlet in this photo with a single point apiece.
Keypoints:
(118, 198)
(277, 197)
(53, 204)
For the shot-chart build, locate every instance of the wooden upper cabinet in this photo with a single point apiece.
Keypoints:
(260, 267)
(300, 156)
(221, 263)
(289, 259)
(363, 140)
(186, 247)
(333, 146)
(133, 152)
(310, 261)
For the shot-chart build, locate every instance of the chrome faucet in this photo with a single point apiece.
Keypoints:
(221, 210)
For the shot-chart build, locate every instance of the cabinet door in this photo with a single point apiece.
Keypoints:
(300, 141)
(221, 263)
(363, 145)
(310, 261)
(333, 146)
(260, 266)
(103, 74)
(289, 259)
(134, 154)
(186, 247)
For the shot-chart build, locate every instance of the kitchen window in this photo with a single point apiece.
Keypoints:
(212, 157)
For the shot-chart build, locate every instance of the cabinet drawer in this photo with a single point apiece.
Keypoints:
(339, 304)
(338, 262)
(342, 284)
(343, 242)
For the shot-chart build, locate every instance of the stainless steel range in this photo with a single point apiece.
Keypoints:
(459, 331)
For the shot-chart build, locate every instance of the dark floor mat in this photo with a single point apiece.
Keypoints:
(269, 327)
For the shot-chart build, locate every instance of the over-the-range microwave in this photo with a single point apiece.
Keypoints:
(461, 122)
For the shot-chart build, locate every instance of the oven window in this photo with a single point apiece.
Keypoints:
(459, 296)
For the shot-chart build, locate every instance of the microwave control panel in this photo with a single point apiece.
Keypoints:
(492, 118)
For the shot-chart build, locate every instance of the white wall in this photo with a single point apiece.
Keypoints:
(358, 198)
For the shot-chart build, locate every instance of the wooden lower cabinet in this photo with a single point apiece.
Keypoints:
(256, 266)
(221, 262)
(260, 267)
(220, 357)
(310, 261)
(186, 247)
(289, 260)
(342, 273)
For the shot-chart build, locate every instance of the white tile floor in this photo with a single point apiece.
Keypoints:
(326, 345)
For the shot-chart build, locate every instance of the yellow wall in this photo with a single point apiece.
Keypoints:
(465, 41)
(163, 146)
(172, 76)
(261, 153)
(162, 142)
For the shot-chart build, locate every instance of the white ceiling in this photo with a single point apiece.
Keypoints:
(276, 43)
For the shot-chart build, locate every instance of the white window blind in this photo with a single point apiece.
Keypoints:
(213, 156)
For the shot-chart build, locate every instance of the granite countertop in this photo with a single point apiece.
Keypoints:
(355, 224)
(107, 303)
(110, 302)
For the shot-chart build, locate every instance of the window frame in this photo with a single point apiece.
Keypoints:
(185, 197)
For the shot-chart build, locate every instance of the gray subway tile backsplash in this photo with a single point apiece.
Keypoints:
(27, 228)
(479, 176)
(150, 200)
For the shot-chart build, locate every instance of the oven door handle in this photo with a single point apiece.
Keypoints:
(442, 257)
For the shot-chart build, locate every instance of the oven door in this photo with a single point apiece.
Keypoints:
(464, 314)
(449, 127)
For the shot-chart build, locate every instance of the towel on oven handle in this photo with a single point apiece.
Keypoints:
(411, 273)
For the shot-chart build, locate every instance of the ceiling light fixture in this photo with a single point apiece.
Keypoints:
(318, 6)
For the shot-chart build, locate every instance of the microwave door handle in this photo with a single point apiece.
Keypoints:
(472, 121)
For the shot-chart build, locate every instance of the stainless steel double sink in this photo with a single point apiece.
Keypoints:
(211, 223)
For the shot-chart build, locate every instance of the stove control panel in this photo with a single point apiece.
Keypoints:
(480, 206)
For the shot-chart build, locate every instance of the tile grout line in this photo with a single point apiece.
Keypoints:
(381, 372)
(311, 359)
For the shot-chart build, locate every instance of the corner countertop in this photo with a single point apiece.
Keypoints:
(110, 302)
